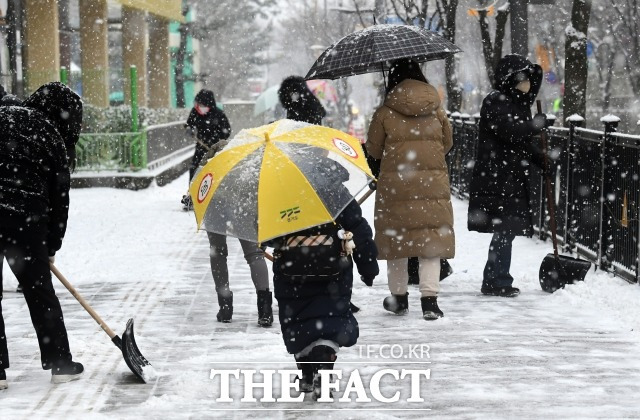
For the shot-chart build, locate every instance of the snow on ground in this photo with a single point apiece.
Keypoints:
(573, 354)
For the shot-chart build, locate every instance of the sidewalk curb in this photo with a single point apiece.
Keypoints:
(134, 180)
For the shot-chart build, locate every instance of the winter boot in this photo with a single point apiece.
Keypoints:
(398, 304)
(506, 291)
(3, 380)
(430, 310)
(66, 372)
(306, 382)
(187, 203)
(226, 307)
(323, 357)
(265, 314)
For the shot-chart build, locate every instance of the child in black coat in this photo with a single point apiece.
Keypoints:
(313, 279)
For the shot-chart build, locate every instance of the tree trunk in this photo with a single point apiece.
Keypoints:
(179, 69)
(14, 27)
(575, 85)
(454, 92)
(501, 24)
(492, 51)
(487, 47)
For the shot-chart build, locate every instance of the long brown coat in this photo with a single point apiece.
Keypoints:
(411, 134)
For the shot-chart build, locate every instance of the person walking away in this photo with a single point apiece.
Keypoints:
(37, 154)
(499, 191)
(7, 99)
(408, 139)
(300, 103)
(210, 125)
(313, 279)
(218, 252)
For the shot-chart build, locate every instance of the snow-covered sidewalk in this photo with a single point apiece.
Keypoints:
(573, 354)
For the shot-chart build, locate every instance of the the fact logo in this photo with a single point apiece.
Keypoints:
(345, 148)
(355, 389)
(205, 187)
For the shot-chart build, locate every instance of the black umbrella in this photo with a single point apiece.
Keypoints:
(370, 50)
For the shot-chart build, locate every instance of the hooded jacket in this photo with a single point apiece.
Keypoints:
(499, 190)
(411, 135)
(212, 126)
(35, 160)
(300, 103)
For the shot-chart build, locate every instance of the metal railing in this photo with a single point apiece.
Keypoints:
(596, 187)
(111, 152)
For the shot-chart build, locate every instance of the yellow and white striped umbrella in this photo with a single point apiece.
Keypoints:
(277, 179)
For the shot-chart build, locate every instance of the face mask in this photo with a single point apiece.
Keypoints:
(201, 109)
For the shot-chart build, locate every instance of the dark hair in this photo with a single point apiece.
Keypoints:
(63, 108)
(293, 89)
(206, 97)
(301, 104)
(402, 69)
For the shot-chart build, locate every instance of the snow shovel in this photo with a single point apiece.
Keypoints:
(132, 356)
(557, 270)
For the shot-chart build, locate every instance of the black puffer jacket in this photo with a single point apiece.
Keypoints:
(35, 160)
(499, 191)
(313, 283)
(300, 103)
(212, 126)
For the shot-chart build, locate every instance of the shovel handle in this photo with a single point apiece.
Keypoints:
(547, 180)
(83, 302)
(360, 201)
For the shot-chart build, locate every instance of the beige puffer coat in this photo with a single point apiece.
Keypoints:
(411, 134)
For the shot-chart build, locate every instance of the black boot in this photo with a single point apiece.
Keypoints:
(187, 204)
(226, 307)
(323, 357)
(398, 304)
(306, 382)
(430, 310)
(66, 372)
(265, 314)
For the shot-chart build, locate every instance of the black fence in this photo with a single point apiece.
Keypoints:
(596, 188)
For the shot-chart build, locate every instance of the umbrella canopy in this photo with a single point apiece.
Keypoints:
(371, 49)
(267, 100)
(323, 90)
(277, 179)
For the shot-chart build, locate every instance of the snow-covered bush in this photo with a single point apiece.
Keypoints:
(117, 119)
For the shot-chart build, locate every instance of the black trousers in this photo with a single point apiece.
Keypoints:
(496, 271)
(26, 253)
(198, 155)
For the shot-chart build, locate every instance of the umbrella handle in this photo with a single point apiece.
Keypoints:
(360, 201)
(547, 180)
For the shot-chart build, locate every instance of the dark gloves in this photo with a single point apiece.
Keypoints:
(368, 280)
(373, 185)
(374, 165)
(539, 121)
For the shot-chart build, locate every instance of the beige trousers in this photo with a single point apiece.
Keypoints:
(429, 273)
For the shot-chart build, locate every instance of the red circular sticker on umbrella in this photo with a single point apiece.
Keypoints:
(345, 148)
(205, 187)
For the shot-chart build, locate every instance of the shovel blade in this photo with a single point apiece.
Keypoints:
(138, 364)
(555, 273)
